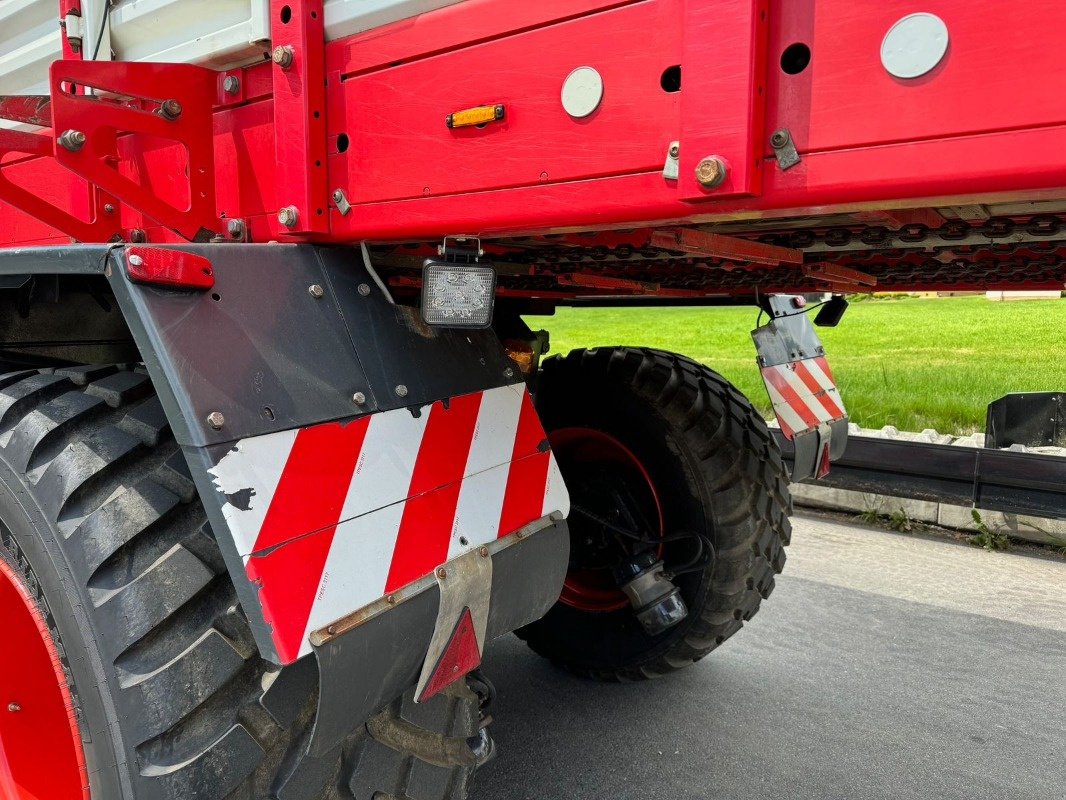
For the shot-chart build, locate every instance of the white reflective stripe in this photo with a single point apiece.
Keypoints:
(356, 568)
(253, 468)
(806, 396)
(383, 473)
(556, 497)
(497, 425)
(477, 514)
(819, 374)
(786, 415)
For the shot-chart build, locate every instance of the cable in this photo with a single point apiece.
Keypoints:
(103, 27)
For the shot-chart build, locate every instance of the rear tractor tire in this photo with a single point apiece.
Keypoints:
(676, 484)
(131, 671)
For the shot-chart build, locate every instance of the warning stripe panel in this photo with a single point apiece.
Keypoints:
(330, 518)
(803, 395)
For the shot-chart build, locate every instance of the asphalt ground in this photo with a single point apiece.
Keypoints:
(884, 665)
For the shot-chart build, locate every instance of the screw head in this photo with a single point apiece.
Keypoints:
(508, 373)
(442, 572)
(675, 151)
(283, 55)
(171, 109)
(338, 195)
(363, 289)
(401, 391)
(231, 84)
(779, 138)
(216, 420)
(109, 208)
(14, 708)
(315, 291)
(483, 552)
(235, 228)
(391, 600)
(359, 399)
(288, 216)
(135, 260)
(72, 140)
(138, 235)
(711, 172)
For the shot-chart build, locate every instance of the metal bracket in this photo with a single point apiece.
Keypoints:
(673, 158)
(784, 149)
(340, 200)
(461, 252)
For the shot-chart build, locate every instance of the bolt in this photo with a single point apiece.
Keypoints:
(136, 261)
(401, 391)
(391, 600)
(332, 629)
(284, 55)
(508, 373)
(109, 208)
(288, 216)
(216, 420)
(363, 289)
(359, 399)
(14, 708)
(442, 572)
(315, 291)
(231, 84)
(675, 151)
(338, 195)
(170, 109)
(72, 140)
(484, 551)
(138, 235)
(711, 172)
(779, 138)
(235, 228)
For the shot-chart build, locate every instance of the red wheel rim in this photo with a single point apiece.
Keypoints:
(41, 757)
(587, 448)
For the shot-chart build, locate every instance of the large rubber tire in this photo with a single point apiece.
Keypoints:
(101, 519)
(716, 469)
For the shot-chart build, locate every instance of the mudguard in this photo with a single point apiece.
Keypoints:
(344, 452)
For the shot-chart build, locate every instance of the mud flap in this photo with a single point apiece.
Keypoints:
(801, 387)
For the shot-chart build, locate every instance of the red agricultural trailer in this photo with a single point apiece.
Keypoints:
(279, 453)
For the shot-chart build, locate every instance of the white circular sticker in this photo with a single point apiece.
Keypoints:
(582, 92)
(914, 45)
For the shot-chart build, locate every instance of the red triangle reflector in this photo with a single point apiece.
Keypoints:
(460, 655)
(823, 461)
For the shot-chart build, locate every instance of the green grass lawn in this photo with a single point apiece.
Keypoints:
(911, 363)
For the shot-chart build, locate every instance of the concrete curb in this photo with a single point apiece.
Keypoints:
(1039, 530)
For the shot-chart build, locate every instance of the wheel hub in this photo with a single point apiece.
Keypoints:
(607, 480)
(41, 756)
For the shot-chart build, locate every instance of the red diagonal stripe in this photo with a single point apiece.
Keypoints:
(426, 525)
(523, 500)
(819, 393)
(309, 498)
(784, 388)
(825, 368)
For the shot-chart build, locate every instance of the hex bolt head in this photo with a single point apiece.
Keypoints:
(135, 260)
(442, 572)
(779, 138)
(401, 391)
(235, 228)
(711, 172)
(137, 235)
(109, 208)
(216, 420)
(359, 399)
(72, 140)
(288, 216)
(14, 708)
(316, 291)
(170, 109)
(363, 289)
(283, 55)
(231, 84)
(508, 373)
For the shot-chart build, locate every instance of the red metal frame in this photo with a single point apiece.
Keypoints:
(366, 116)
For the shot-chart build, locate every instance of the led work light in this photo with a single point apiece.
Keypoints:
(457, 295)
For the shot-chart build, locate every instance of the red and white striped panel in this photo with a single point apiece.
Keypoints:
(803, 394)
(332, 517)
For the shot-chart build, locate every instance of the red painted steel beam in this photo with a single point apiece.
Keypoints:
(299, 85)
(28, 109)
